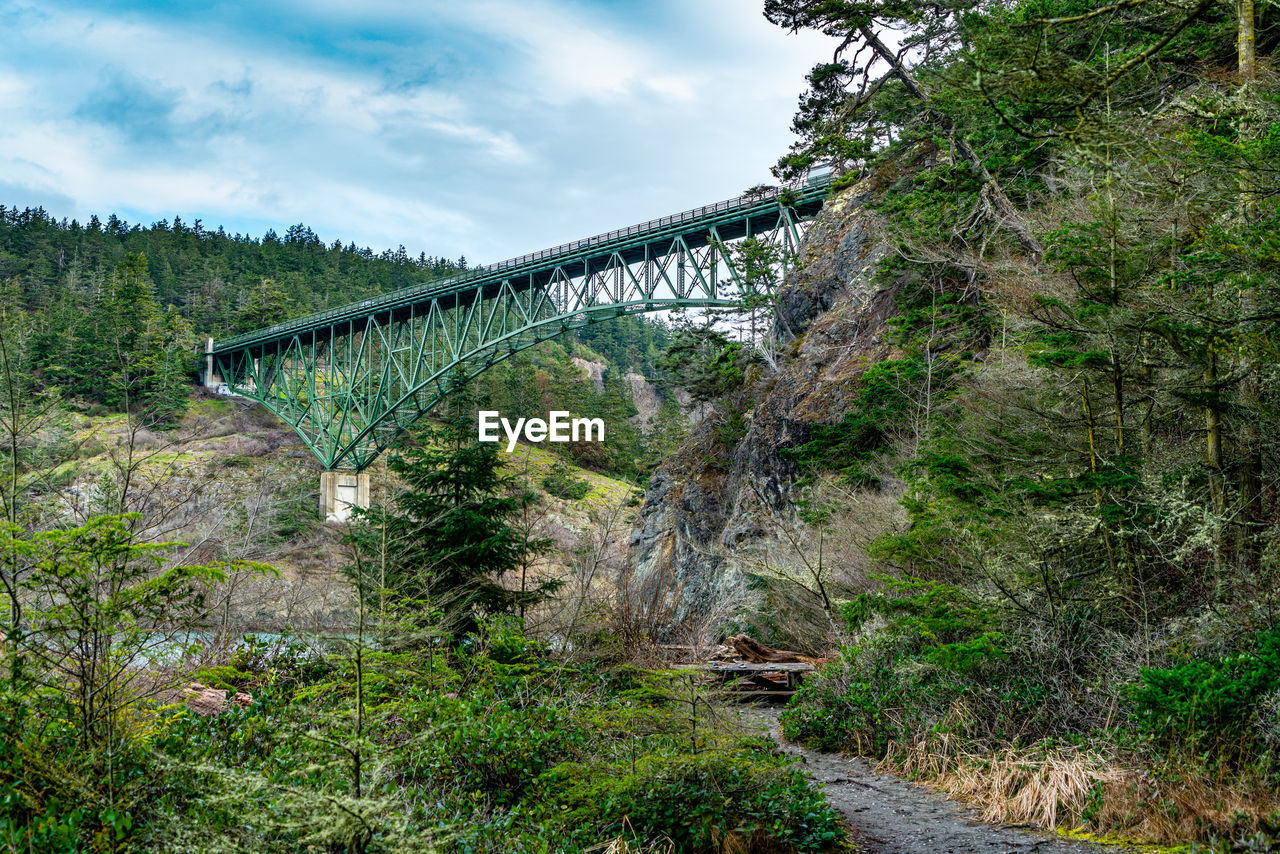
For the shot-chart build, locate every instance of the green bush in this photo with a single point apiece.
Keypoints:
(243, 738)
(224, 676)
(730, 427)
(950, 629)
(707, 364)
(853, 444)
(936, 648)
(695, 801)
(868, 698)
(492, 749)
(282, 659)
(563, 483)
(54, 798)
(504, 641)
(1209, 701)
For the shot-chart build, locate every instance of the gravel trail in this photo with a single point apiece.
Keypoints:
(891, 816)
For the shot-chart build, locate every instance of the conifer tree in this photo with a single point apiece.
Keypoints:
(266, 303)
(451, 534)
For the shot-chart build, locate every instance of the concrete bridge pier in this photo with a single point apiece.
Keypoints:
(339, 492)
(211, 380)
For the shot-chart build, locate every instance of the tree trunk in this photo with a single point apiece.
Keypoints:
(1213, 440)
(992, 191)
(1245, 41)
(1249, 477)
(1091, 434)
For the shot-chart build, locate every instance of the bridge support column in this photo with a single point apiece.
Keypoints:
(339, 492)
(211, 380)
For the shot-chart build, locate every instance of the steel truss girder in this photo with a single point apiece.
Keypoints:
(351, 385)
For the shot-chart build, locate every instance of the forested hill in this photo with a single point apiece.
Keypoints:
(217, 281)
(223, 284)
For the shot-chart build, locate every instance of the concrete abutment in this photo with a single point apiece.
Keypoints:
(210, 379)
(339, 492)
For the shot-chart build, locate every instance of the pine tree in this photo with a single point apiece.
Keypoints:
(451, 534)
(266, 303)
(621, 439)
(167, 363)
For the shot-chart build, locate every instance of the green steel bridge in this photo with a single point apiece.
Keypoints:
(350, 379)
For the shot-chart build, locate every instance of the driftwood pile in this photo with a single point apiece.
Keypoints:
(750, 650)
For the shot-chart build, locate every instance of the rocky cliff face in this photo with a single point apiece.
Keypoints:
(725, 491)
(647, 401)
(644, 394)
(593, 371)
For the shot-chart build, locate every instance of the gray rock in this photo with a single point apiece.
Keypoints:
(709, 501)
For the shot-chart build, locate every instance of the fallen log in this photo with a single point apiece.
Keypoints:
(750, 649)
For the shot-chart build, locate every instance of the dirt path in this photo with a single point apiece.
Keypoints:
(892, 816)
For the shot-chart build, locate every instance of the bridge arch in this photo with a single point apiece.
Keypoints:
(351, 379)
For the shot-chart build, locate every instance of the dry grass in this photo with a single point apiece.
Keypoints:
(1184, 803)
(620, 845)
(753, 842)
(1051, 789)
(1083, 789)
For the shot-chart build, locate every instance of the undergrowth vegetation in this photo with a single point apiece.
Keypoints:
(436, 722)
(493, 749)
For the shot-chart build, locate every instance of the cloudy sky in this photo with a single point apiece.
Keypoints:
(487, 128)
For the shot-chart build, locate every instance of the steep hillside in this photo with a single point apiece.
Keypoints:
(718, 508)
(1018, 471)
(235, 483)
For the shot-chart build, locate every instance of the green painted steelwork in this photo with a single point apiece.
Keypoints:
(349, 380)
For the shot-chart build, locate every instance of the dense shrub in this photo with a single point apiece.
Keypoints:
(563, 483)
(1208, 701)
(871, 696)
(949, 627)
(491, 749)
(54, 798)
(695, 801)
(499, 749)
(935, 658)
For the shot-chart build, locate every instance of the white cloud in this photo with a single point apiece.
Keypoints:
(258, 87)
(571, 58)
(258, 137)
(484, 127)
(562, 53)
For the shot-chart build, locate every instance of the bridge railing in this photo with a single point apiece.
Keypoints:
(399, 297)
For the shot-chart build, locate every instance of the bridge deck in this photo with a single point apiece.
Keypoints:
(733, 218)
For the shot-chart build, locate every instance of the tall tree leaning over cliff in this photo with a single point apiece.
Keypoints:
(882, 41)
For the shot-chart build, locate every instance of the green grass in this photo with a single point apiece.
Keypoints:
(531, 463)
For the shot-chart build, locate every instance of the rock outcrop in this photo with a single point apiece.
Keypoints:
(645, 398)
(206, 701)
(592, 370)
(713, 498)
(693, 410)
